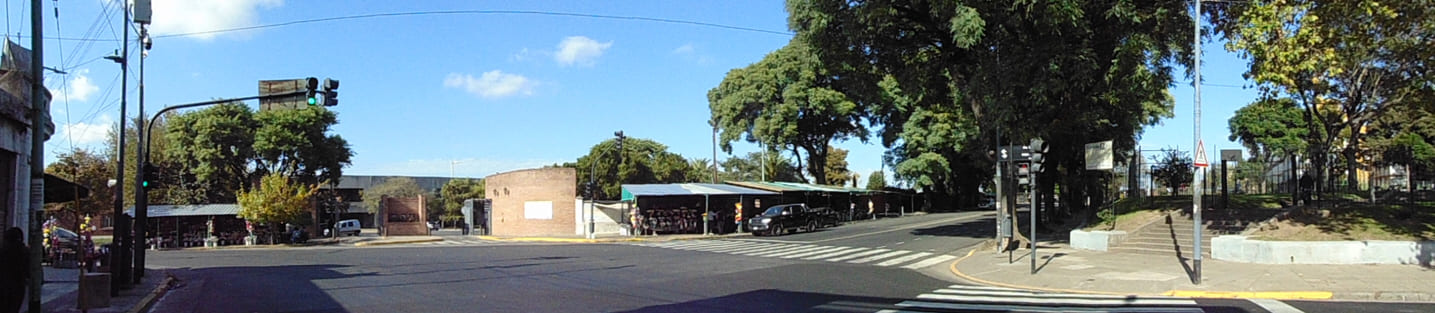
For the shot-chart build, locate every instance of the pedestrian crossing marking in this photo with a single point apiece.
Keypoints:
(903, 259)
(810, 252)
(981, 298)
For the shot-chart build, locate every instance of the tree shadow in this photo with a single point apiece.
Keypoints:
(979, 228)
(238, 289)
(776, 300)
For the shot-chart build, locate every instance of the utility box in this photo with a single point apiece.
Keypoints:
(94, 291)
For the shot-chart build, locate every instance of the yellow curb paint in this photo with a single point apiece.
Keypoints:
(1278, 295)
(396, 242)
(997, 284)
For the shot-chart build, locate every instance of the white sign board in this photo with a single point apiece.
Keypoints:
(1099, 156)
(538, 210)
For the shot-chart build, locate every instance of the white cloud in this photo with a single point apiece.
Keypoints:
(79, 89)
(685, 49)
(579, 50)
(468, 167)
(189, 16)
(492, 84)
(690, 53)
(86, 133)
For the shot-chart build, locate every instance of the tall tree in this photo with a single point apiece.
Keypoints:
(1343, 62)
(297, 143)
(1404, 138)
(89, 170)
(876, 181)
(167, 192)
(1270, 127)
(751, 167)
(214, 150)
(789, 99)
(402, 187)
(455, 192)
(837, 172)
(1173, 170)
(1069, 72)
(644, 162)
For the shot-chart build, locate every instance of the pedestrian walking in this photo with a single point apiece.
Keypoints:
(14, 270)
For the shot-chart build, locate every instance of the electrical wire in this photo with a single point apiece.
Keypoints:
(64, 79)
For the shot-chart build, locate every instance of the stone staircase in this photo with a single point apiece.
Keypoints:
(1174, 235)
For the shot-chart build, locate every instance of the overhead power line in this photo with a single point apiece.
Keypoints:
(465, 12)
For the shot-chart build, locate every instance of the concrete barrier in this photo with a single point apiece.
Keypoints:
(1100, 240)
(1240, 249)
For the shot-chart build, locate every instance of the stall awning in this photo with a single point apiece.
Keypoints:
(797, 187)
(60, 190)
(189, 210)
(630, 192)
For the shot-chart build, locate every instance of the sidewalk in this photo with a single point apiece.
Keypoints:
(1062, 269)
(60, 292)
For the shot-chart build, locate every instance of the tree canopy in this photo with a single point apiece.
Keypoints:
(876, 181)
(90, 170)
(277, 199)
(455, 192)
(225, 148)
(402, 187)
(644, 162)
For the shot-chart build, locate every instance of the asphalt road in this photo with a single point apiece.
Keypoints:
(703, 276)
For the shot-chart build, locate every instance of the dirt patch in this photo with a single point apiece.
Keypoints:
(1356, 221)
(1130, 222)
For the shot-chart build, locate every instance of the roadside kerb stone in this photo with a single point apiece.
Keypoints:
(396, 241)
(1237, 248)
(1099, 240)
(148, 301)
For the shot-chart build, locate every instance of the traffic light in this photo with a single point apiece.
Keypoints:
(331, 93)
(621, 137)
(311, 84)
(1038, 154)
(151, 176)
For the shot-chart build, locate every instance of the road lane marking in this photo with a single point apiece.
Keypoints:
(903, 259)
(856, 255)
(1042, 309)
(834, 253)
(929, 262)
(786, 252)
(1041, 299)
(771, 248)
(879, 256)
(1275, 306)
(829, 249)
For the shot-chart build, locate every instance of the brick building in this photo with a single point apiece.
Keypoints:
(533, 202)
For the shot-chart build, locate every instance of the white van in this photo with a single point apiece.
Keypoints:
(349, 227)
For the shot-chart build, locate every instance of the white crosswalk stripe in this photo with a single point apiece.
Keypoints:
(977, 298)
(769, 249)
(456, 242)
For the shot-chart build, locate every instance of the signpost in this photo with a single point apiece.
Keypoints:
(1227, 155)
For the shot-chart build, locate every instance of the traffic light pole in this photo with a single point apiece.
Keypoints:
(141, 197)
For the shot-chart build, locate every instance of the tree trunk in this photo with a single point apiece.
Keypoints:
(1351, 180)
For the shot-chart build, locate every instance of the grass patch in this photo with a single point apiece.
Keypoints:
(1131, 213)
(1355, 221)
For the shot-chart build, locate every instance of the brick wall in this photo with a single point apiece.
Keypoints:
(405, 217)
(518, 195)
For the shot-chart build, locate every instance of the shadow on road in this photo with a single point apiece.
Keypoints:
(775, 300)
(979, 228)
(287, 288)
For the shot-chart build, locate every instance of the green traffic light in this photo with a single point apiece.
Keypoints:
(313, 101)
(146, 183)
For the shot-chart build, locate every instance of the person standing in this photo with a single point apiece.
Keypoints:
(14, 270)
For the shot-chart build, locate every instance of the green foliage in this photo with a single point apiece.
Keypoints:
(1270, 127)
(644, 162)
(837, 172)
(276, 200)
(456, 191)
(700, 170)
(296, 143)
(89, 170)
(789, 99)
(402, 187)
(751, 167)
(876, 181)
(1173, 170)
(216, 146)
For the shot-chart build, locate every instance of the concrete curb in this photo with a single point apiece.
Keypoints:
(1277, 295)
(148, 301)
(396, 242)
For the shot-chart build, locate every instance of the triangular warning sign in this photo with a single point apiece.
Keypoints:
(1201, 153)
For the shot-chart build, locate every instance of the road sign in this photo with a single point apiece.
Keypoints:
(1201, 154)
(1099, 156)
(281, 86)
(1233, 155)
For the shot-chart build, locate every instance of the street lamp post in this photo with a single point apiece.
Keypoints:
(119, 256)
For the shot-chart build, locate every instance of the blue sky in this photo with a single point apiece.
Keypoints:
(475, 93)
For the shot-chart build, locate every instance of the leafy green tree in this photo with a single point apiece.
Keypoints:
(837, 172)
(701, 170)
(942, 78)
(788, 99)
(276, 200)
(297, 143)
(455, 192)
(1270, 127)
(1344, 63)
(751, 167)
(400, 187)
(168, 191)
(215, 147)
(1173, 170)
(876, 181)
(644, 162)
(89, 170)
(1403, 138)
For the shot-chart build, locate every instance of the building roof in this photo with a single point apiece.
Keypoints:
(796, 187)
(166, 210)
(631, 192)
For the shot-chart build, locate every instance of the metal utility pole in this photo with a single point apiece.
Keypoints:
(39, 114)
(1196, 180)
(120, 249)
(1031, 210)
(141, 191)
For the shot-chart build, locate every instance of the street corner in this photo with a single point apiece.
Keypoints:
(1276, 295)
(396, 242)
(973, 268)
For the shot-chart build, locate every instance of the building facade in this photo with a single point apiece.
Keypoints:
(533, 202)
(15, 136)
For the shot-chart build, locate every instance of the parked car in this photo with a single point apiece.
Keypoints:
(348, 227)
(787, 218)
